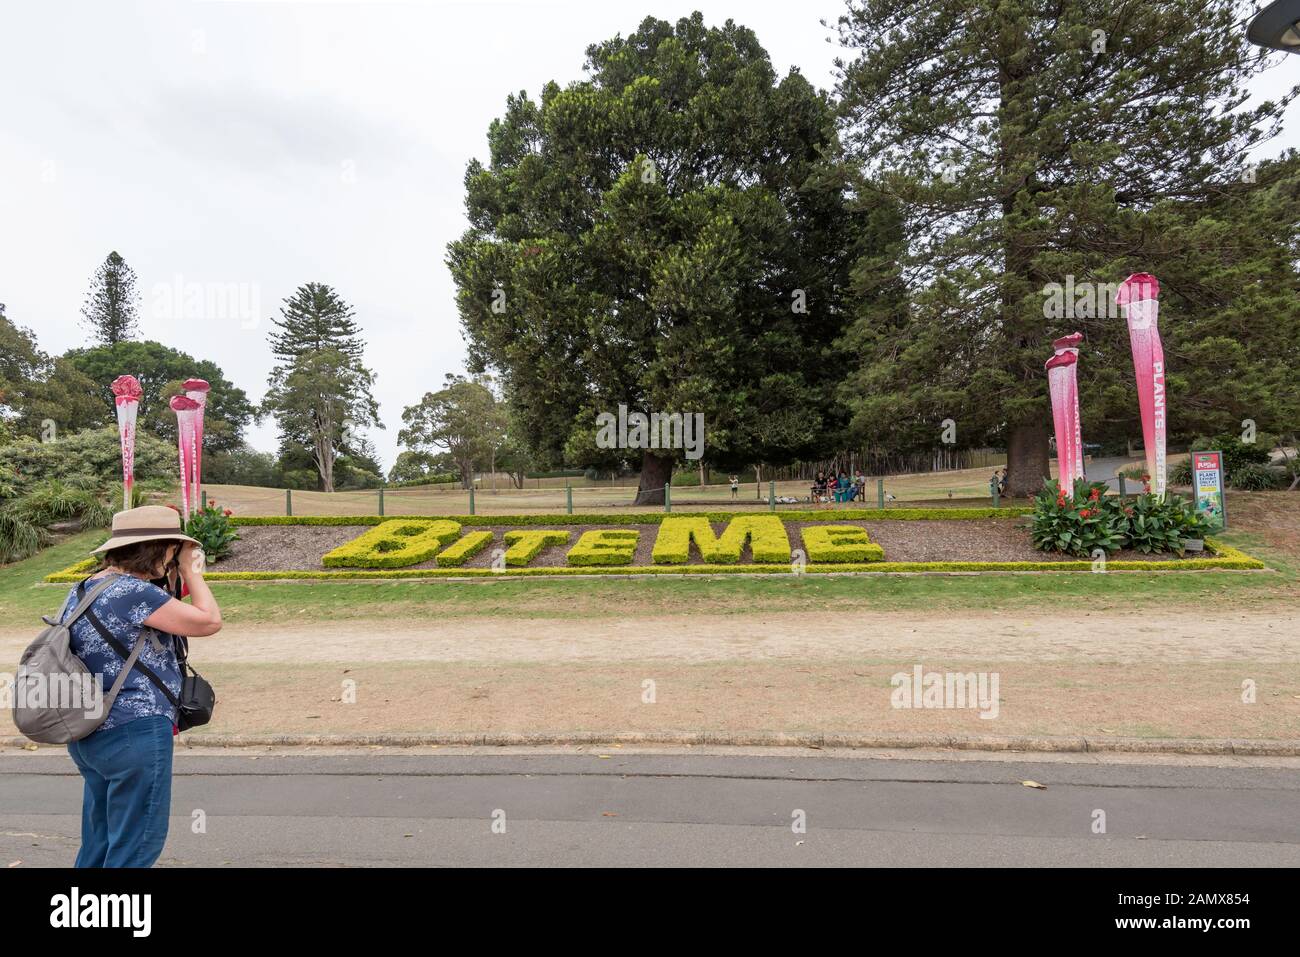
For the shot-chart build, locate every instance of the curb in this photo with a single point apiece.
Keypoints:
(814, 740)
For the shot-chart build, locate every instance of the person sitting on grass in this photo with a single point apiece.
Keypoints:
(818, 486)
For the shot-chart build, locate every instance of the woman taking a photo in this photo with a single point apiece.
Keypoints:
(126, 763)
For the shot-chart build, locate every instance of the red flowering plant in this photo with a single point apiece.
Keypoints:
(212, 528)
(1081, 524)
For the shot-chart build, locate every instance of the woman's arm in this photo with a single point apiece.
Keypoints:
(197, 620)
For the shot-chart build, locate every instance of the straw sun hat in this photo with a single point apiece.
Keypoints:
(148, 523)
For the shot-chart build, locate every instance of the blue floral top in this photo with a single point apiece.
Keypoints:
(122, 608)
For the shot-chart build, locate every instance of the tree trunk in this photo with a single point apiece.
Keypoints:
(656, 471)
(1027, 460)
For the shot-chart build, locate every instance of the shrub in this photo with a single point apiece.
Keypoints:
(765, 535)
(1162, 526)
(525, 545)
(605, 546)
(212, 527)
(1080, 525)
(1254, 478)
(19, 537)
(54, 501)
(394, 544)
(93, 456)
(1181, 472)
(463, 549)
(840, 543)
(1236, 453)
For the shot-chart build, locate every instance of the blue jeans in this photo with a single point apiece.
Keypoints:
(126, 803)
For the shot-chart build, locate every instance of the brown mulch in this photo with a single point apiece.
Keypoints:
(300, 547)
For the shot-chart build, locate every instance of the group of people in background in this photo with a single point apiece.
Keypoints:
(827, 487)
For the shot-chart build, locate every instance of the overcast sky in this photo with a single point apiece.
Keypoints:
(243, 147)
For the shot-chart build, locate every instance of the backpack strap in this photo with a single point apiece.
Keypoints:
(85, 600)
(131, 656)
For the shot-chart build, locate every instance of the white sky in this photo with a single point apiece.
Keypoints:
(255, 145)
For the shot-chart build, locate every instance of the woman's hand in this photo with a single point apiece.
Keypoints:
(196, 620)
(190, 561)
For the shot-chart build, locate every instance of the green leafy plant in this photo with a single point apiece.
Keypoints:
(1180, 473)
(1079, 525)
(1253, 477)
(19, 537)
(1162, 526)
(212, 528)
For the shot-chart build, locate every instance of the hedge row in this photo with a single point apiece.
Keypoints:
(525, 546)
(649, 518)
(605, 546)
(394, 544)
(840, 543)
(463, 549)
(1225, 557)
(765, 534)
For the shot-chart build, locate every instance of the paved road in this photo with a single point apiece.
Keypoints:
(438, 808)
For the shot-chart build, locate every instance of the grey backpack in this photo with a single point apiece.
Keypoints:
(58, 699)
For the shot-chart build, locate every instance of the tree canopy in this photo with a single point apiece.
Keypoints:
(672, 234)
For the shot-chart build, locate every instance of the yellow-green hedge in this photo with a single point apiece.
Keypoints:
(396, 543)
(765, 534)
(526, 545)
(463, 549)
(604, 546)
(832, 544)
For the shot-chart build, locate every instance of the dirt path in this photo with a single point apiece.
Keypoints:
(1247, 635)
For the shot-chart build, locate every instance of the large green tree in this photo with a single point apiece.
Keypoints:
(42, 396)
(671, 234)
(1028, 143)
(316, 337)
(322, 402)
(112, 307)
(462, 419)
(161, 370)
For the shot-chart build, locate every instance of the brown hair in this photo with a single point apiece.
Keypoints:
(140, 558)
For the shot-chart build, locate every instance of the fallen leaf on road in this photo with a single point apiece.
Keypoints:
(30, 747)
(14, 863)
(1034, 784)
(608, 814)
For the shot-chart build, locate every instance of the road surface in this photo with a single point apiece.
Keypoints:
(426, 807)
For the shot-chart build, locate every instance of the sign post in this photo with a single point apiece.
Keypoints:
(1207, 485)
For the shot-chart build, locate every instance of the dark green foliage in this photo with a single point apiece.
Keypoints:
(1023, 154)
(1162, 526)
(161, 370)
(91, 458)
(212, 528)
(644, 234)
(1080, 525)
(1255, 478)
(112, 304)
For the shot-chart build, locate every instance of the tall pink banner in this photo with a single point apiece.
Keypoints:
(186, 410)
(1139, 296)
(1062, 384)
(1070, 343)
(126, 399)
(197, 389)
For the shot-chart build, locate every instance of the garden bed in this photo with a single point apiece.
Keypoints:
(912, 541)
